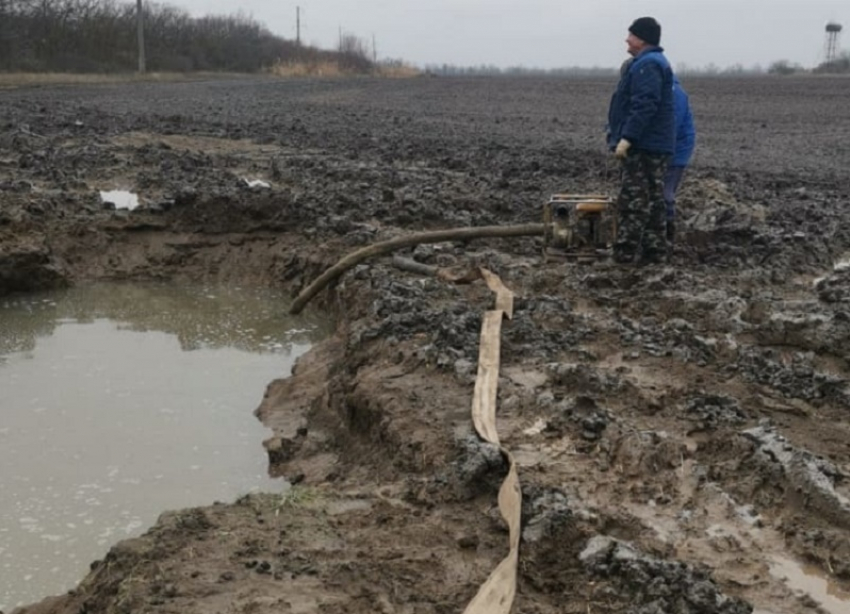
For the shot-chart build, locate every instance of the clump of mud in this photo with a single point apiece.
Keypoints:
(654, 586)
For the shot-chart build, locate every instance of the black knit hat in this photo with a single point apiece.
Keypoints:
(647, 30)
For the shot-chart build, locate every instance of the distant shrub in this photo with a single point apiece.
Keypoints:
(839, 66)
(784, 67)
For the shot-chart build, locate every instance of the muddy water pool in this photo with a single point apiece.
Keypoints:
(118, 402)
(803, 579)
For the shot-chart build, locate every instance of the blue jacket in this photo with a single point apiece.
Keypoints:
(686, 133)
(642, 109)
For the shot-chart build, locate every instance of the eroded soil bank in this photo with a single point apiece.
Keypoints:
(682, 431)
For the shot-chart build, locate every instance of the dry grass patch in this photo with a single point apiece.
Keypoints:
(306, 69)
(399, 71)
(332, 69)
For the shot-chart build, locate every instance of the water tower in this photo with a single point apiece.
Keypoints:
(833, 33)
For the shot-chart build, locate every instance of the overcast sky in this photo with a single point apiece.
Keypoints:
(553, 33)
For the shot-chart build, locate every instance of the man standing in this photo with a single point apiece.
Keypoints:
(685, 141)
(641, 133)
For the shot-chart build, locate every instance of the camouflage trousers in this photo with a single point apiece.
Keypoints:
(641, 210)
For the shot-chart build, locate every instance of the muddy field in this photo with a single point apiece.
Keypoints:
(682, 432)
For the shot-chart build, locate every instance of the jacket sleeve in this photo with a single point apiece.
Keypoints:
(610, 137)
(646, 98)
(685, 130)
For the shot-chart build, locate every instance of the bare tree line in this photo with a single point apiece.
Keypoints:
(780, 67)
(488, 70)
(100, 36)
(354, 53)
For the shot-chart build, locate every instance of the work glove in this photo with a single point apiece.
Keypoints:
(622, 148)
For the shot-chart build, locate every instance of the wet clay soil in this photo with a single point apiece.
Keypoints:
(682, 431)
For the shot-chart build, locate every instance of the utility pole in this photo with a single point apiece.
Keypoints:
(298, 25)
(374, 51)
(140, 25)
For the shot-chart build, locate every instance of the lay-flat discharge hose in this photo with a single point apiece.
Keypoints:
(385, 247)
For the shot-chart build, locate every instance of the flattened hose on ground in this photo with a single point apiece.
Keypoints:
(496, 595)
(385, 247)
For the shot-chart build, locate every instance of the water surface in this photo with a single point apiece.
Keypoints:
(118, 402)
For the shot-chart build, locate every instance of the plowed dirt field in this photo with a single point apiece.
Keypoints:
(682, 432)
